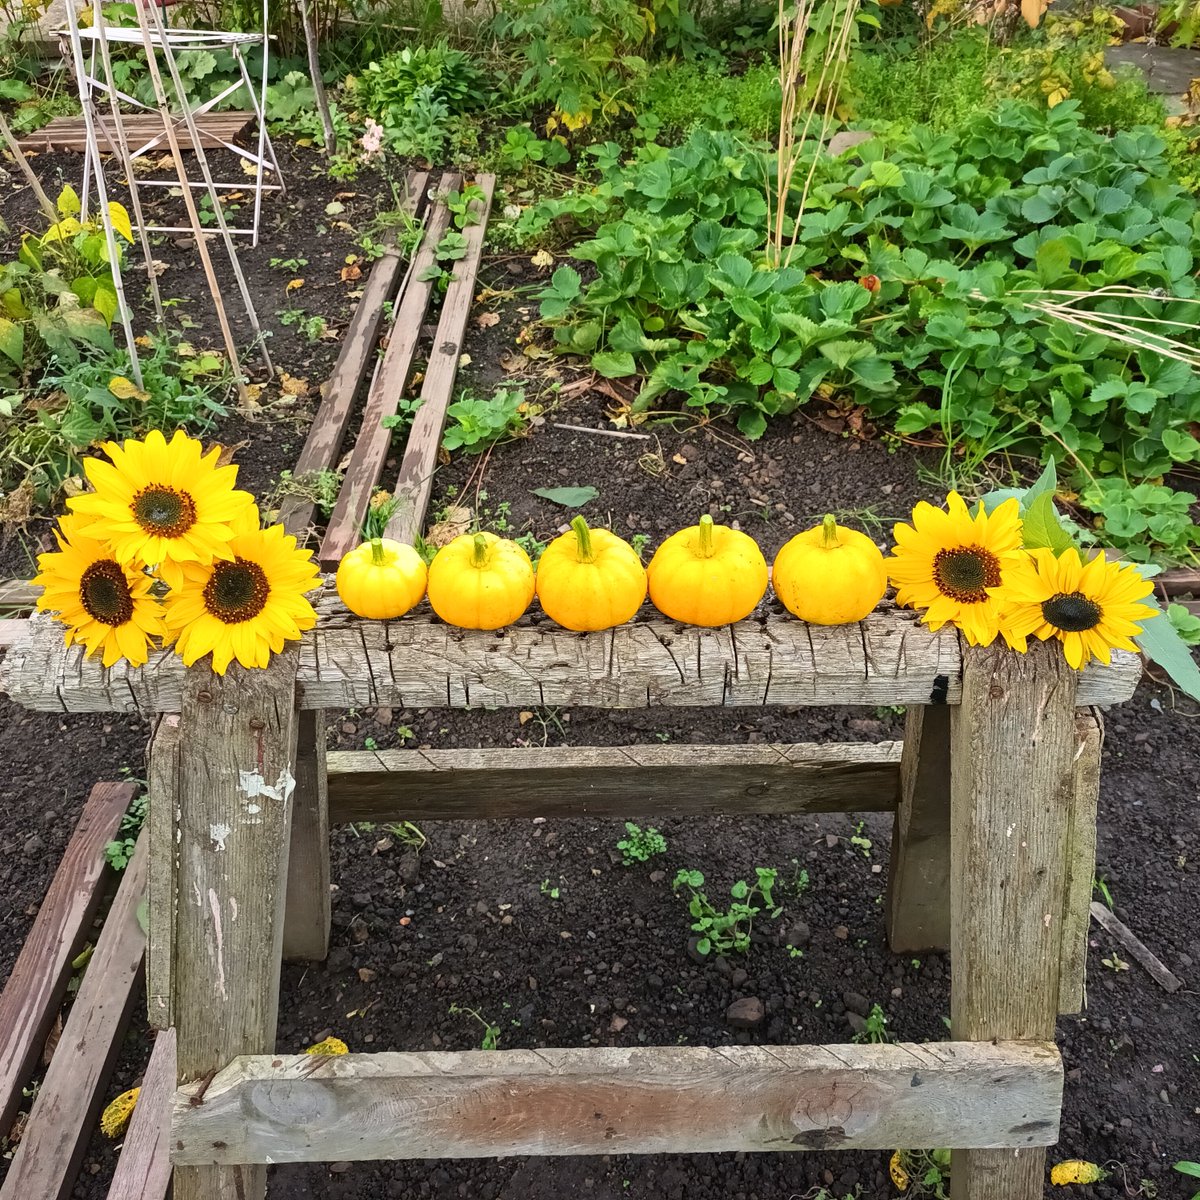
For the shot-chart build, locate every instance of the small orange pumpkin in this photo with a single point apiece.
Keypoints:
(707, 575)
(480, 581)
(590, 579)
(829, 575)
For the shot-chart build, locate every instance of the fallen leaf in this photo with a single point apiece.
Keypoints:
(457, 521)
(524, 717)
(568, 497)
(678, 458)
(52, 1040)
(290, 385)
(351, 273)
(334, 207)
(227, 452)
(543, 258)
(126, 389)
(248, 168)
(294, 285)
(486, 320)
(165, 163)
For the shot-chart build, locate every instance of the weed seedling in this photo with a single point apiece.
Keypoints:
(491, 1033)
(876, 1030)
(1100, 884)
(640, 845)
(728, 931)
(1191, 1170)
(119, 851)
(547, 890)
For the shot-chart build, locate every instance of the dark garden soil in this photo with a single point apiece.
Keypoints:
(539, 928)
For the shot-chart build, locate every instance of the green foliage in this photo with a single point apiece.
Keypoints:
(475, 424)
(730, 930)
(684, 95)
(876, 1027)
(967, 233)
(522, 148)
(491, 1033)
(1185, 623)
(640, 845)
(1191, 1170)
(1144, 520)
(119, 851)
(583, 57)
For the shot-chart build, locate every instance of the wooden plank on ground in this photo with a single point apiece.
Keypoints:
(419, 663)
(144, 1168)
(611, 781)
(68, 133)
(1081, 861)
(1012, 776)
(654, 1100)
(371, 446)
(415, 481)
(72, 1094)
(323, 445)
(35, 989)
(17, 597)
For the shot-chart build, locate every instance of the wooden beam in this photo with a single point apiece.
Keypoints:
(918, 912)
(1012, 776)
(237, 768)
(414, 483)
(325, 435)
(12, 632)
(370, 452)
(307, 916)
(1081, 862)
(69, 133)
(612, 781)
(35, 989)
(72, 1093)
(655, 1100)
(162, 760)
(144, 1168)
(417, 662)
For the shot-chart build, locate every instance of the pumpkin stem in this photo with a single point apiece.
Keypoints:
(705, 547)
(377, 555)
(479, 556)
(583, 537)
(830, 528)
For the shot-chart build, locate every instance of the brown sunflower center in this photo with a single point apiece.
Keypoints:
(1072, 612)
(104, 593)
(965, 573)
(237, 591)
(164, 511)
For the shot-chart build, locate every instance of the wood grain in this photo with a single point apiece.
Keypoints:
(237, 764)
(1081, 862)
(72, 1093)
(344, 530)
(1012, 776)
(654, 1100)
(417, 662)
(308, 911)
(162, 759)
(918, 911)
(415, 480)
(611, 781)
(144, 1168)
(68, 133)
(324, 442)
(35, 988)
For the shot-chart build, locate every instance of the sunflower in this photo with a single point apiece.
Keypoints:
(244, 606)
(163, 503)
(1091, 608)
(105, 605)
(946, 562)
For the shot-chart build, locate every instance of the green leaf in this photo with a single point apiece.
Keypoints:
(613, 364)
(68, 201)
(1160, 641)
(12, 341)
(568, 497)
(1042, 526)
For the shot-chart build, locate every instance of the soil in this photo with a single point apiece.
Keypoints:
(469, 922)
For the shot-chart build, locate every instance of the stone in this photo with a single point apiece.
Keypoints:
(857, 1002)
(410, 869)
(746, 1013)
(798, 935)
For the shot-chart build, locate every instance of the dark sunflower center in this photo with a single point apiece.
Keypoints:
(163, 511)
(237, 591)
(965, 573)
(104, 593)
(1072, 612)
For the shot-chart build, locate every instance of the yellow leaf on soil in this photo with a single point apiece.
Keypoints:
(116, 1115)
(248, 168)
(294, 285)
(1076, 1170)
(330, 1045)
(292, 386)
(898, 1173)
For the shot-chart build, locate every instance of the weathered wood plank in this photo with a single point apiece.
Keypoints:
(325, 435)
(919, 880)
(415, 480)
(38, 982)
(1012, 775)
(12, 632)
(611, 781)
(343, 531)
(237, 764)
(17, 596)
(655, 1100)
(308, 912)
(72, 1093)
(144, 1168)
(1081, 862)
(887, 659)
(162, 759)
(68, 133)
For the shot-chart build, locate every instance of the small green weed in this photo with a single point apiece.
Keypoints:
(491, 1033)
(119, 851)
(640, 845)
(475, 425)
(876, 1030)
(730, 930)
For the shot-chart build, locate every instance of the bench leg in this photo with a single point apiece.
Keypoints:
(1012, 756)
(307, 917)
(236, 776)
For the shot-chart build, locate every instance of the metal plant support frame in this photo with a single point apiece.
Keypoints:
(156, 38)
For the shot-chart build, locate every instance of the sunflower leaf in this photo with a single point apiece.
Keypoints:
(1160, 642)
(1042, 526)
